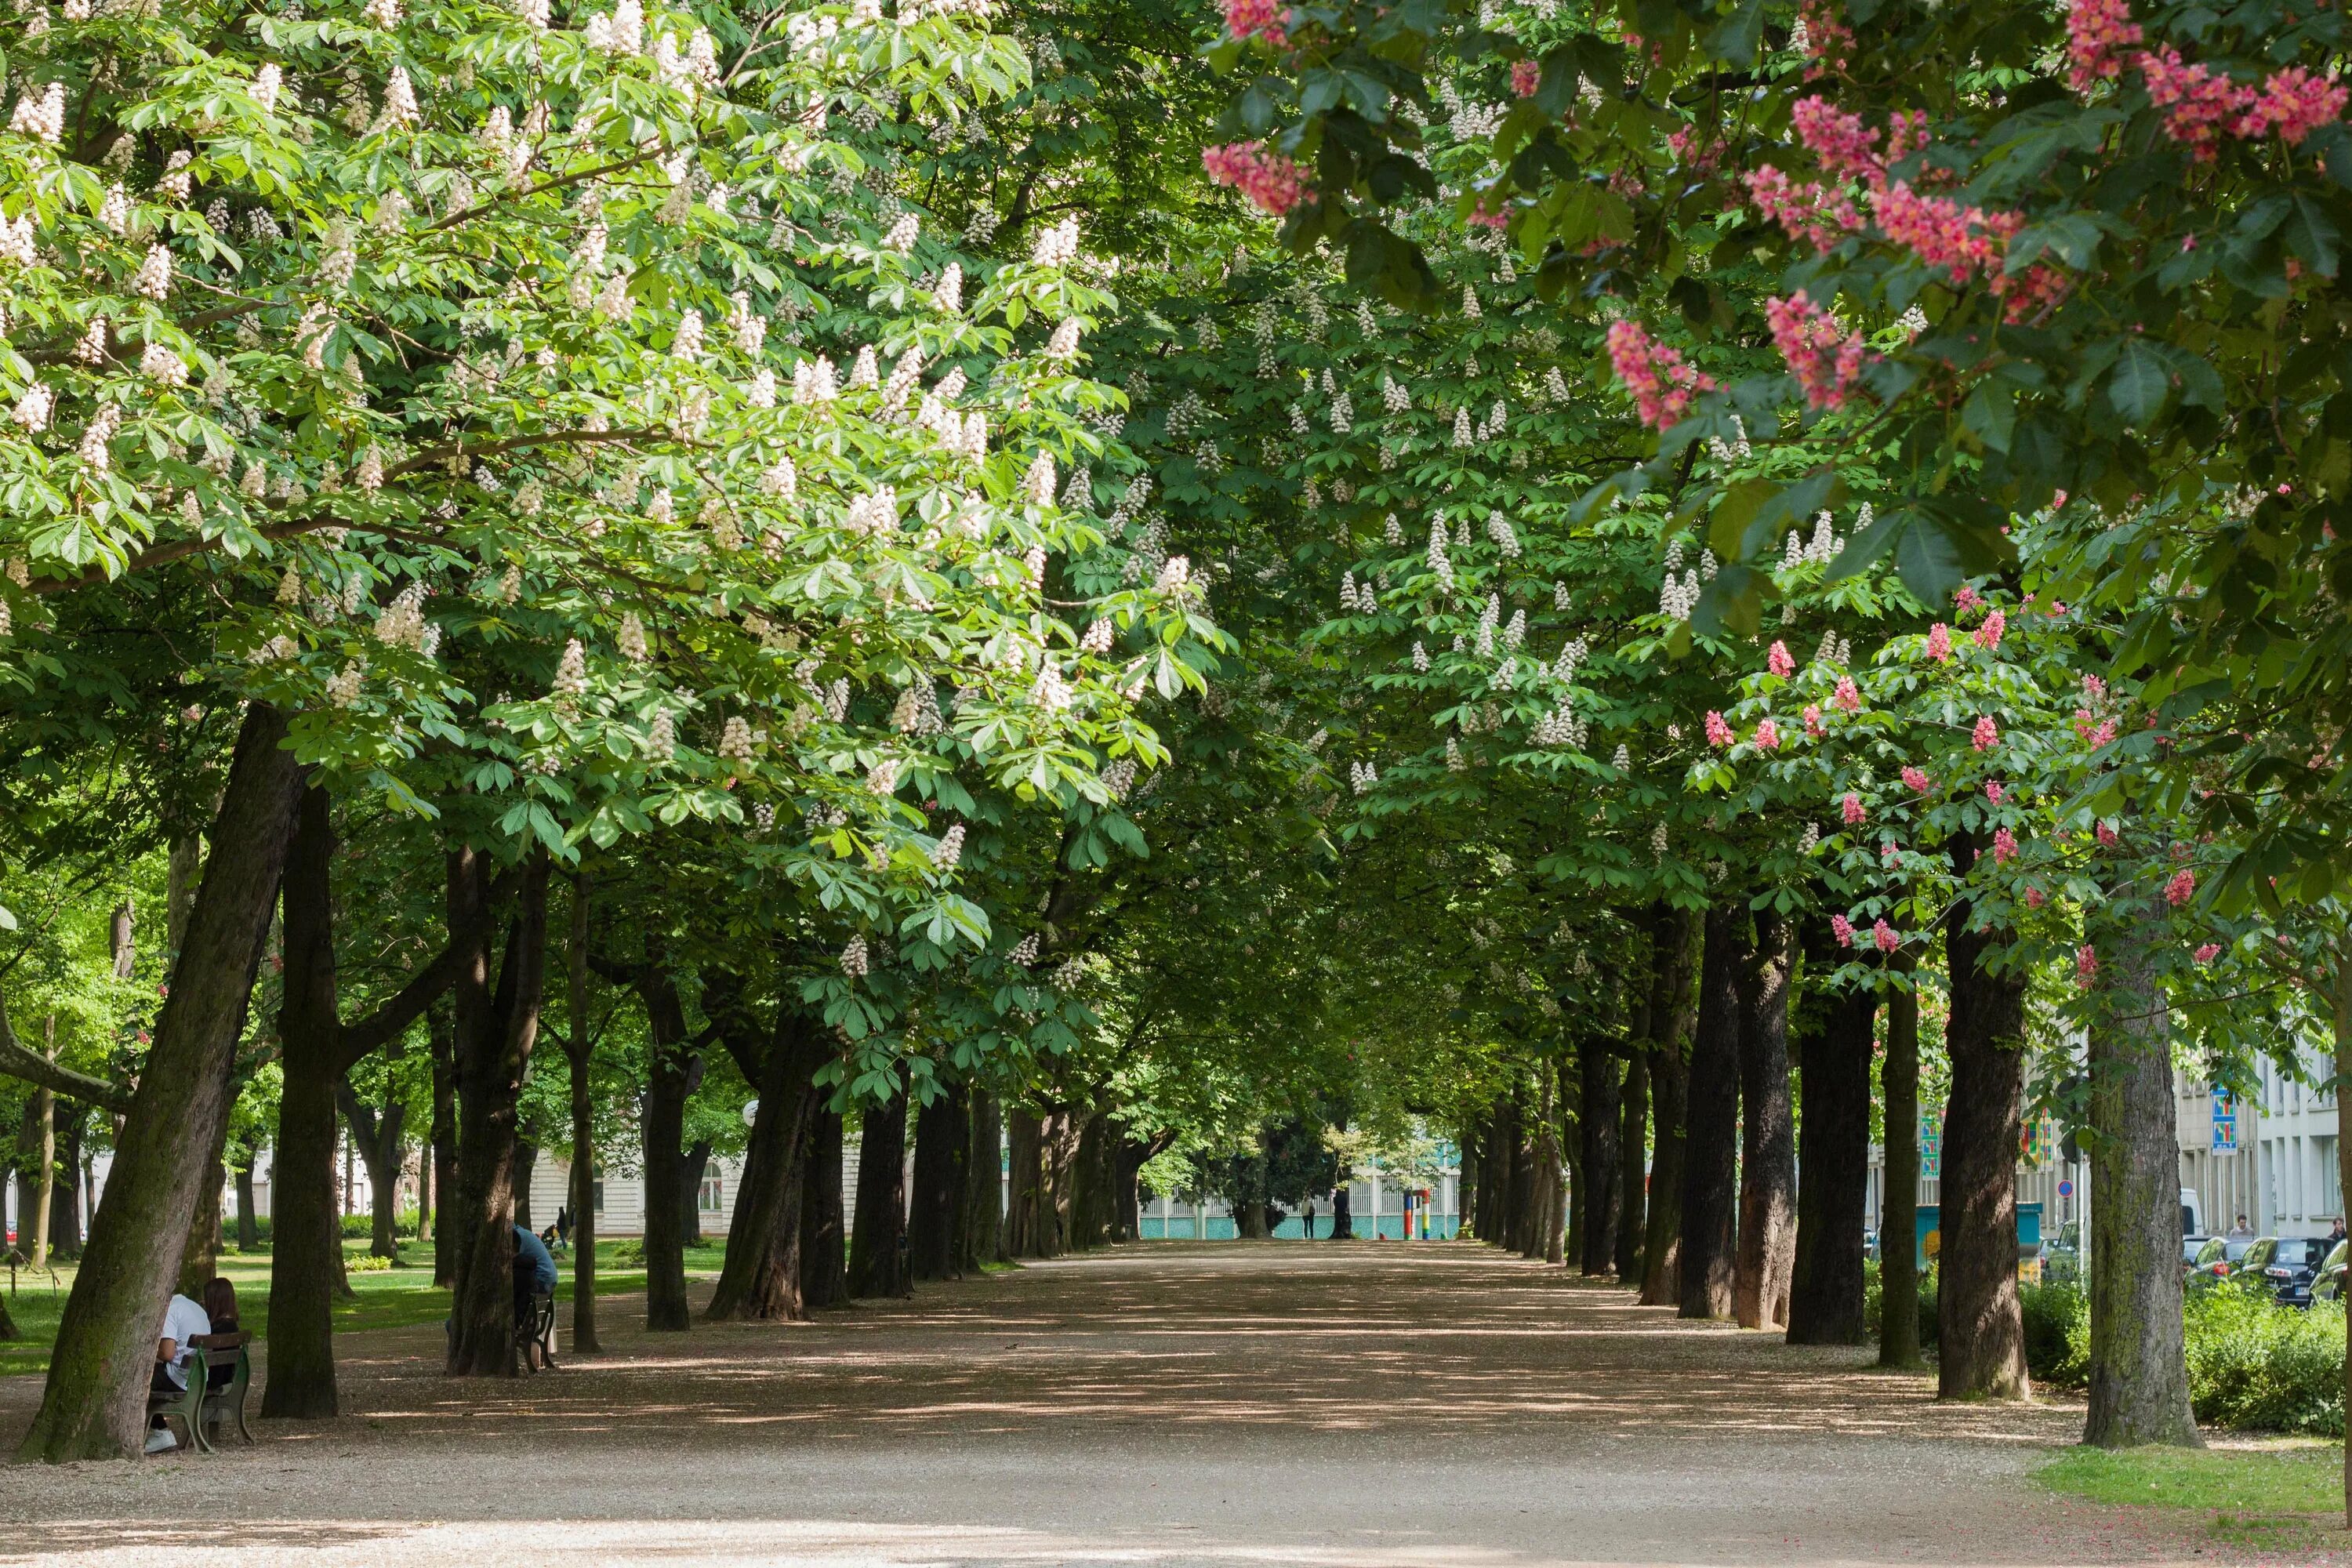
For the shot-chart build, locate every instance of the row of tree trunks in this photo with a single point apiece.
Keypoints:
(983, 1225)
(1672, 1015)
(877, 1263)
(824, 1276)
(674, 1070)
(937, 1208)
(1632, 1159)
(1711, 1119)
(93, 1404)
(1825, 1296)
(1600, 1199)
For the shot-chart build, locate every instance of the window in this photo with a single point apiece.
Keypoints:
(707, 1199)
(2331, 1177)
(596, 1196)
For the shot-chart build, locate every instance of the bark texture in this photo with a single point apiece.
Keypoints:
(763, 1277)
(93, 1404)
(674, 1068)
(1600, 1199)
(1711, 1116)
(1898, 1214)
(580, 1059)
(877, 1265)
(824, 1275)
(1633, 1162)
(1980, 1329)
(1768, 1146)
(1674, 1014)
(1825, 1297)
(943, 1147)
(983, 1228)
(494, 1032)
(2139, 1370)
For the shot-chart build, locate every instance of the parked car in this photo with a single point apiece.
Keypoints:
(2329, 1285)
(2287, 1264)
(2215, 1258)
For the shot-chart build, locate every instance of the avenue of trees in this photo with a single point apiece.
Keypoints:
(1198, 593)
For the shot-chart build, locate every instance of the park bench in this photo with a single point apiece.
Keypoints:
(535, 1336)
(200, 1407)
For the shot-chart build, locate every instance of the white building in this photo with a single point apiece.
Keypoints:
(2272, 1158)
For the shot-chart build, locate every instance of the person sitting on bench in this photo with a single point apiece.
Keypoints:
(534, 1274)
(220, 1306)
(184, 1323)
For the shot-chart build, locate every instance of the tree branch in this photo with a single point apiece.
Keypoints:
(19, 1062)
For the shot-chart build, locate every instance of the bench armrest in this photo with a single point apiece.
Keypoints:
(237, 1340)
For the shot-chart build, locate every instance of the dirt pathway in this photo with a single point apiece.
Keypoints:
(1273, 1403)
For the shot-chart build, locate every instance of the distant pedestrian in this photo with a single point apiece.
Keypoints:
(1309, 1216)
(2241, 1231)
(2335, 1231)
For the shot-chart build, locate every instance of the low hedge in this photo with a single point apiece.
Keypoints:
(2252, 1365)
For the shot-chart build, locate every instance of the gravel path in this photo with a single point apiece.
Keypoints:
(1379, 1404)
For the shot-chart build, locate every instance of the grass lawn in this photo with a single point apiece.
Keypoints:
(382, 1299)
(2286, 1496)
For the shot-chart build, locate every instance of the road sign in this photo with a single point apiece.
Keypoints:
(2066, 1189)
(2225, 1122)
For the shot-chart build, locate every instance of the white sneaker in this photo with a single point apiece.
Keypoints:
(161, 1441)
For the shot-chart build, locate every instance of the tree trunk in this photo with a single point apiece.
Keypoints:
(2139, 1372)
(1247, 1199)
(94, 1402)
(496, 1031)
(1898, 1209)
(378, 1140)
(1094, 1214)
(983, 1227)
(248, 1216)
(1711, 1116)
(670, 1079)
(824, 1280)
(65, 1197)
(306, 1231)
(1128, 1157)
(1673, 1013)
(1633, 1165)
(445, 1235)
(1825, 1297)
(45, 1110)
(762, 1276)
(1601, 1200)
(1343, 1224)
(2344, 1156)
(877, 1251)
(580, 1059)
(942, 1145)
(1025, 1163)
(1467, 1189)
(1560, 1160)
(692, 1166)
(526, 1166)
(1980, 1330)
(1064, 1139)
(1767, 1167)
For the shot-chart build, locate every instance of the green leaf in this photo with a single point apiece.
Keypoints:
(2140, 385)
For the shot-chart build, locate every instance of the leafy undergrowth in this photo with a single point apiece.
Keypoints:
(2284, 1499)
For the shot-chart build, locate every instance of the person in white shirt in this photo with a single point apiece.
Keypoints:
(183, 1321)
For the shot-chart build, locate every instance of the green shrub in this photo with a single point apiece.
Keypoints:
(365, 1263)
(1872, 1291)
(2057, 1334)
(630, 1253)
(2255, 1363)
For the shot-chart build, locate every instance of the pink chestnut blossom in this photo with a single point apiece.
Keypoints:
(2181, 888)
(1961, 241)
(1848, 696)
(1987, 734)
(2297, 103)
(2035, 898)
(1526, 77)
(1767, 736)
(2098, 32)
(1964, 599)
(1778, 661)
(1915, 779)
(1845, 148)
(1883, 935)
(1811, 211)
(2004, 845)
(2086, 965)
(2103, 834)
(1813, 719)
(1988, 636)
(2199, 102)
(2206, 953)
(1663, 385)
(1272, 183)
(1851, 809)
(1842, 929)
(1824, 356)
(1993, 791)
(1257, 18)
(1718, 733)
(1939, 642)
